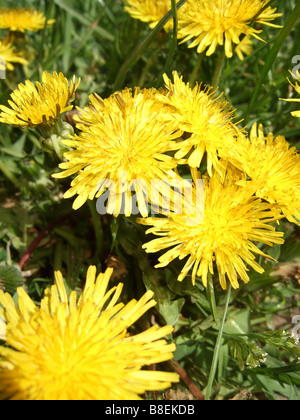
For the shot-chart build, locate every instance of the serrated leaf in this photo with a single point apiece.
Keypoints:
(246, 352)
(11, 278)
(279, 339)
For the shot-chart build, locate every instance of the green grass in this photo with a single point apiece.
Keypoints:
(100, 43)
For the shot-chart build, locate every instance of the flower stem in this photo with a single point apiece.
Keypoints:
(97, 228)
(173, 44)
(196, 69)
(219, 67)
(214, 365)
(136, 54)
(39, 239)
(145, 71)
(212, 298)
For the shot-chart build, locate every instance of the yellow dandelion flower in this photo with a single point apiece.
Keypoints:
(9, 57)
(21, 20)
(245, 47)
(233, 219)
(122, 146)
(209, 23)
(207, 118)
(80, 349)
(296, 86)
(149, 11)
(273, 168)
(39, 103)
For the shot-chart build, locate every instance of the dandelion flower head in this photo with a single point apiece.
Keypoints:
(150, 11)
(207, 119)
(21, 20)
(273, 167)
(80, 349)
(233, 220)
(245, 47)
(40, 103)
(123, 143)
(209, 23)
(9, 57)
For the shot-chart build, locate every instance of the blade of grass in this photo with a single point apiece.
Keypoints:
(137, 52)
(67, 43)
(290, 23)
(101, 31)
(50, 9)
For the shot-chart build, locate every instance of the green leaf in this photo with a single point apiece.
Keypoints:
(154, 279)
(3, 255)
(185, 349)
(279, 339)
(293, 368)
(246, 352)
(170, 310)
(128, 234)
(261, 281)
(274, 251)
(16, 149)
(290, 249)
(238, 322)
(83, 20)
(223, 361)
(185, 287)
(131, 238)
(11, 278)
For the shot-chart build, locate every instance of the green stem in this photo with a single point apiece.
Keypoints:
(97, 227)
(210, 290)
(173, 45)
(219, 67)
(48, 14)
(145, 71)
(143, 45)
(196, 69)
(215, 361)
